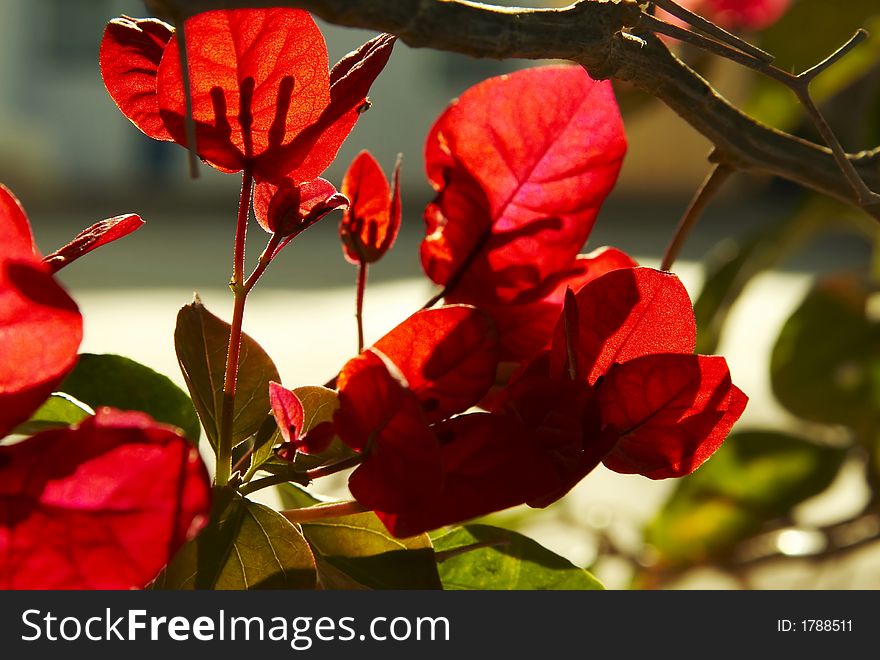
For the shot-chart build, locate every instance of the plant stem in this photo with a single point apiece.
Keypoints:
(303, 478)
(323, 511)
(359, 303)
(709, 188)
(239, 291)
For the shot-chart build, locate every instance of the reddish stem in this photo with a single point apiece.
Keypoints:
(359, 304)
(323, 511)
(239, 290)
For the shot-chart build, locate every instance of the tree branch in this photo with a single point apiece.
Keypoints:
(603, 36)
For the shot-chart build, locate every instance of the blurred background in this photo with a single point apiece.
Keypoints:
(790, 500)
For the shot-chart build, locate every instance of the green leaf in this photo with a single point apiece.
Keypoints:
(357, 552)
(756, 477)
(294, 496)
(201, 341)
(824, 364)
(733, 265)
(484, 557)
(58, 410)
(246, 546)
(118, 382)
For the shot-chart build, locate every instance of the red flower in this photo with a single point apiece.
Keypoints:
(262, 95)
(288, 209)
(370, 224)
(101, 505)
(424, 464)
(521, 164)
(668, 409)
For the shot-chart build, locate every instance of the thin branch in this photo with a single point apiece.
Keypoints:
(303, 478)
(657, 26)
(709, 188)
(708, 27)
(800, 86)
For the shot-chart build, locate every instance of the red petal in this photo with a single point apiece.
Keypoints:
(381, 417)
(448, 356)
(671, 412)
(543, 148)
(291, 208)
(131, 51)
(625, 314)
(563, 418)
(288, 412)
(101, 506)
(100, 233)
(491, 464)
(526, 329)
(370, 224)
(40, 326)
(258, 78)
(312, 151)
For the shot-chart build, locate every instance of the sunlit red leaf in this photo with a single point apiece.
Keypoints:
(40, 326)
(671, 412)
(290, 208)
(380, 417)
(101, 506)
(288, 412)
(526, 329)
(100, 233)
(491, 464)
(131, 51)
(311, 152)
(256, 76)
(521, 164)
(447, 355)
(370, 224)
(625, 314)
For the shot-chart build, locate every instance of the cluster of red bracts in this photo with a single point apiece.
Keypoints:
(621, 388)
(262, 100)
(551, 362)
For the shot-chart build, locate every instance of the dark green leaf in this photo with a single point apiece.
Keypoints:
(294, 496)
(824, 364)
(60, 409)
(201, 341)
(733, 265)
(246, 546)
(484, 557)
(756, 477)
(357, 552)
(118, 382)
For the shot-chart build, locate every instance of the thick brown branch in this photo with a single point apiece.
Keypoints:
(594, 33)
